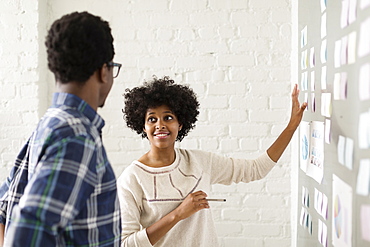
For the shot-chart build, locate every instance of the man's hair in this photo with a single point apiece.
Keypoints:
(77, 45)
(179, 98)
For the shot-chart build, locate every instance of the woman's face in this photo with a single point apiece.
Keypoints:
(161, 126)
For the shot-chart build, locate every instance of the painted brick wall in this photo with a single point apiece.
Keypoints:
(235, 54)
(22, 78)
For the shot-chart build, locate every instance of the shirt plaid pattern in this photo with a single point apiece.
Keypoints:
(62, 188)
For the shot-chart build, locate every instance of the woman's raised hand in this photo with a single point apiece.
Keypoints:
(297, 109)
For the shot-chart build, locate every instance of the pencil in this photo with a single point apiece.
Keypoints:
(216, 200)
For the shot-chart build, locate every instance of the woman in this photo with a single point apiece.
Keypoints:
(163, 194)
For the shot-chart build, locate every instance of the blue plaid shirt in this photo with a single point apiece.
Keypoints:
(62, 188)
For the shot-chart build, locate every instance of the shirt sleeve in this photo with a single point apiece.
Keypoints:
(64, 180)
(4, 188)
(130, 202)
(226, 170)
(4, 199)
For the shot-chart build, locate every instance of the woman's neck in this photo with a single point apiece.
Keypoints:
(158, 157)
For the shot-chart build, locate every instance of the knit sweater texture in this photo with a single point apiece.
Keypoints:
(147, 194)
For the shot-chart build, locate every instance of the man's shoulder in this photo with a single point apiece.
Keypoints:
(62, 123)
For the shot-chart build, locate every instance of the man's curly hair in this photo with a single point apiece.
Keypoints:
(77, 45)
(180, 99)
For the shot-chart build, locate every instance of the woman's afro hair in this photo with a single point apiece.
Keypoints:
(181, 99)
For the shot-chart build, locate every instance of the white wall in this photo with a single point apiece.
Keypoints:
(23, 88)
(236, 56)
(295, 140)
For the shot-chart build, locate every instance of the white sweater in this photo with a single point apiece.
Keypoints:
(147, 194)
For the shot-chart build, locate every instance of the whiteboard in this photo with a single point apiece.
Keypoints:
(333, 71)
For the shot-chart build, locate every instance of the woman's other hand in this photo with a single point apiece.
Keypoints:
(193, 203)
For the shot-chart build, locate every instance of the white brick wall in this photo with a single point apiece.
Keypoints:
(235, 54)
(22, 75)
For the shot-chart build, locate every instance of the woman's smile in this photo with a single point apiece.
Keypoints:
(161, 135)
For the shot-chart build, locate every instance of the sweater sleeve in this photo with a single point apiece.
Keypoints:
(130, 202)
(229, 170)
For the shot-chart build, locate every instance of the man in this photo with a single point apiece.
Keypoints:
(62, 189)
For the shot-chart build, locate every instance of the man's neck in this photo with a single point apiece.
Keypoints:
(86, 91)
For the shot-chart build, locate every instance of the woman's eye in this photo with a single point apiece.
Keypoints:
(169, 118)
(151, 119)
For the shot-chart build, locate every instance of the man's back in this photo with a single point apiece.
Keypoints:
(71, 187)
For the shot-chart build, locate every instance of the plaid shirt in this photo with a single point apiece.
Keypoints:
(62, 188)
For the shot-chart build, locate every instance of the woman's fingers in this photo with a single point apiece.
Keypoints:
(199, 199)
(303, 106)
(296, 104)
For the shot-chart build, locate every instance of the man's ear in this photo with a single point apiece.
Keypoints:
(104, 73)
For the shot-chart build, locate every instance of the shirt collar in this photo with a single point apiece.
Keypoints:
(80, 105)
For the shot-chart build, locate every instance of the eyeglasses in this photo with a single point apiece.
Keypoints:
(116, 68)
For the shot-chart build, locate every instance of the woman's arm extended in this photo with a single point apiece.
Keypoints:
(277, 148)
